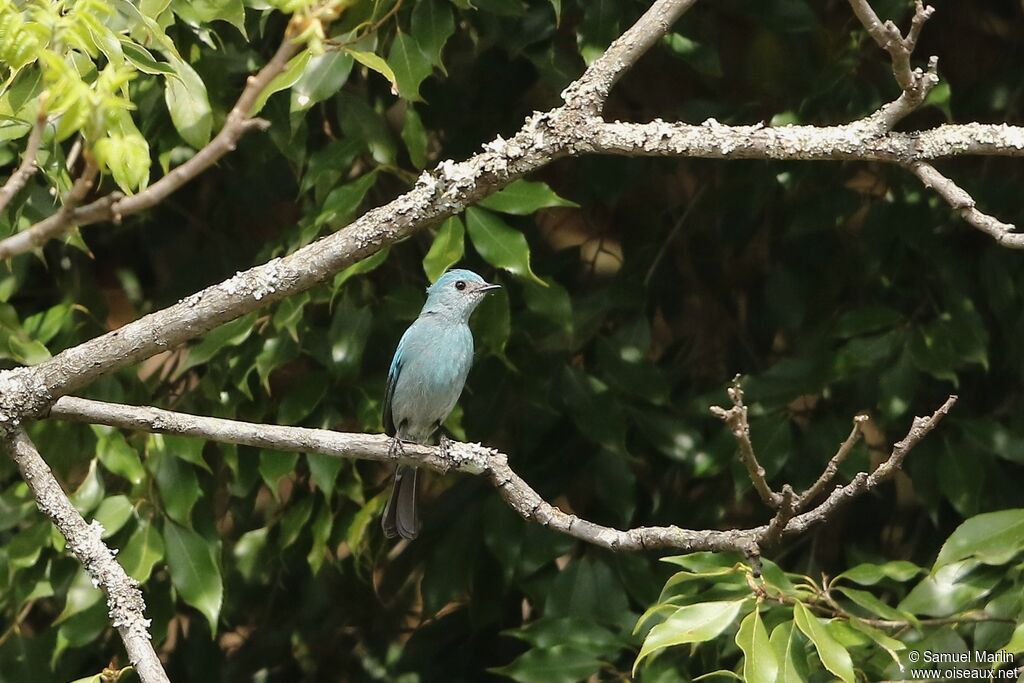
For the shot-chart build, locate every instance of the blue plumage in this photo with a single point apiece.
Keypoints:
(426, 379)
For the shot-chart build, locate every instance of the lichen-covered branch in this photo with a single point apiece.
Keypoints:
(480, 460)
(28, 166)
(589, 93)
(916, 84)
(124, 599)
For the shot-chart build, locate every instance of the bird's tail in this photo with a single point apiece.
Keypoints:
(400, 513)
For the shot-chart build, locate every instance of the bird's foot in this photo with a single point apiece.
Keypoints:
(446, 452)
(396, 449)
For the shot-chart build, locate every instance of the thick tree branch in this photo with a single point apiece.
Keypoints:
(477, 459)
(124, 599)
(115, 206)
(28, 166)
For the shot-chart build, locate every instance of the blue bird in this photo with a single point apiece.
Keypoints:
(425, 380)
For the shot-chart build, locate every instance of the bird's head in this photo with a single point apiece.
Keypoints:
(457, 292)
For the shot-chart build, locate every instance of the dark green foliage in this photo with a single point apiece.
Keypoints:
(835, 288)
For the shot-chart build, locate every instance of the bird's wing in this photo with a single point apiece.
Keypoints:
(389, 389)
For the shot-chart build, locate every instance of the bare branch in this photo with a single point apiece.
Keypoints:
(864, 482)
(480, 460)
(115, 206)
(962, 202)
(124, 599)
(915, 83)
(787, 508)
(589, 92)
(818, 487)
(736, 419)
(28, 166)
(60, 222)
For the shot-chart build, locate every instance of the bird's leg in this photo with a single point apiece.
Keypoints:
(396, 449)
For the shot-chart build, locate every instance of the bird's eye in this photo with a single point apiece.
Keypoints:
(460, 285)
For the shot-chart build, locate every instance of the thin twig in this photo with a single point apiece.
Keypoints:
(787, 508)
(864, 482)
(114, 207)
(914, 83)
(962, 202)
(61, 222)
(28, 165)
(736, 419)
(832, 468)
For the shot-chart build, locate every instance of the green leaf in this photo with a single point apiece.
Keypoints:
(374, 63)
(286, 79)
(367, 265)
(112, 514)
(869, 574)
(432, 26)
(414, 135)
(320, 530)
(789, 653)
(301, 400)
(142, 551)
(833, 655)
(294, 520)
(189, 104)
(343, 202)
(118, 456)
(866, 320)
(323, 470)
(409, 65)
(176, 480)
(696, 623)
(322, 78)
(231, 333)
(90, 492)
(446, 250)
(557, 664)
(949, 589)
(500, 244)
(126, 157)
(274, 465)
(191, 560)
(143, 60)
(760, 664)
(873, 605)
(82, 594)
(523, 197)
(882, 639)
(548, 632)
(992, 538)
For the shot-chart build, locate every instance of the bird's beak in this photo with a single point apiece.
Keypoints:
(487, 288)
